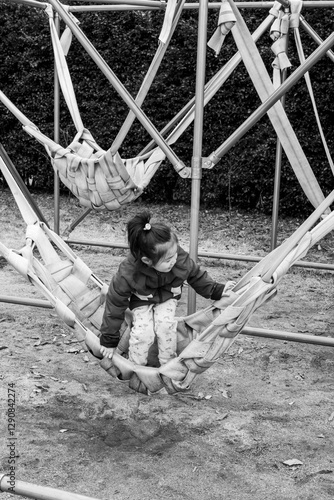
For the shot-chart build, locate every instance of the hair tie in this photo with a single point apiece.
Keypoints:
(147, 227)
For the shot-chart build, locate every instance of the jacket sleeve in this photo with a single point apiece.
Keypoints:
(117, 301)
(200, 280)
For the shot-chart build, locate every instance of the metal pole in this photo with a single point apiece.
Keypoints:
(288, 336)
(36, 491)
(247, 330)
(26, 302)
(56, 187)
(196, 164)
(146, 5)
(278, 170)
(195, 5)
(77, 221)
(277, 186)
(208, 255)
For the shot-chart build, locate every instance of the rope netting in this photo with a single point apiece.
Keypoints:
(78, 297)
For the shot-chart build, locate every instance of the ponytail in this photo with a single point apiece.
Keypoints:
(146, 237)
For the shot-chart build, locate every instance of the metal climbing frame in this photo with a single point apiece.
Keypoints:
(198, 162)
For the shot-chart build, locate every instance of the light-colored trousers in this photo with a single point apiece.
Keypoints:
(153, 320)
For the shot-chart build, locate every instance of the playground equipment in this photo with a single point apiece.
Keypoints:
(29, 490)
(101, 178)
(78, 296)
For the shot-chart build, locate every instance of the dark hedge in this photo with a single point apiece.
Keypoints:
(243, 179)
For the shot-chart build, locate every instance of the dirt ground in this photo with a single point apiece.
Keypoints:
(257, 425)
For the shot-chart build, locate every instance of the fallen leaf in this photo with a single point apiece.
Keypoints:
(73, 350)
(226, 394)
(331, 417)
(42, 387)
(293, 461)
(37, 374)
(63, 430)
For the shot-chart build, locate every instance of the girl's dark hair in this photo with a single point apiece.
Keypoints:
(146, 239)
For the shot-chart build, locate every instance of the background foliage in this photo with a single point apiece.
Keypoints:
(244, 178)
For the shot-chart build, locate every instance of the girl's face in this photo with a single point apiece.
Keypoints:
(165, 264)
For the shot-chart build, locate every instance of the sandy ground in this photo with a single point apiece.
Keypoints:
(257, 425)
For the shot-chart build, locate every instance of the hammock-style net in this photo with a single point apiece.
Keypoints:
(99, 179)
(78, 295)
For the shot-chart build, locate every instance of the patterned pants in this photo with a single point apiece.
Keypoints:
(154, 320)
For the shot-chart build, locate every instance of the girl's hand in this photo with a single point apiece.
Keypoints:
(107, 352)
(229, 286)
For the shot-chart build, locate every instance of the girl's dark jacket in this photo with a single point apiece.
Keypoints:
(135, 284)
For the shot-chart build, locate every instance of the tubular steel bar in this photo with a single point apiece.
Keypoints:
(247, 330)
(99, 5)
(208, 255)
(278, 168)
(106, 8)
(211, 5)
(133, 3)
(10, 484)
(289, 336)
(26, 302)
(264, 5)
(31, 3)
(56, 136)
(196, 164)
(155, 5)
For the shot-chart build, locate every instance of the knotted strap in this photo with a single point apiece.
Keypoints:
(226, 21)
(285, 19)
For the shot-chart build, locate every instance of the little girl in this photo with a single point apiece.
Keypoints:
(149, 282)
